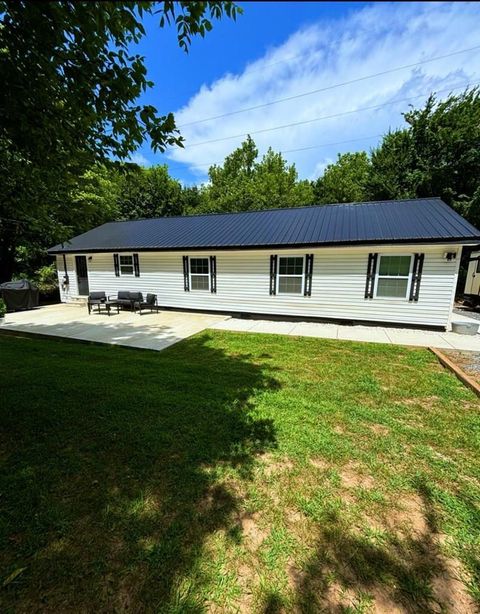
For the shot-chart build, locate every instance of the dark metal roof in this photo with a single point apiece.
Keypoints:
(393, 221)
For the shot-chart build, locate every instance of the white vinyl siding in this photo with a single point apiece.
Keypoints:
(243, 278)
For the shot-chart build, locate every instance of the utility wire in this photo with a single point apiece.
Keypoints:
(330, 87)
(317, 119)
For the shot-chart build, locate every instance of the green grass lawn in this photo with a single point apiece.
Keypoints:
(236, 472)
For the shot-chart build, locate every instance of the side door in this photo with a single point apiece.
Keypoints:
(82, 275)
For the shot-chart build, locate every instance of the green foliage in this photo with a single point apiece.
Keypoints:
(3, 308)
(437, 155)
(392, 172)
(46, 279)
(345, 181)
(148, 192)
(71, 80)
(243, 183)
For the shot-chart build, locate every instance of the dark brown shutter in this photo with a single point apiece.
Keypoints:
(136, 265)
(213, 274)
(416, 277)
(186, 281)
(116, 265)
(273, 274)
(308, 275)
(371, 271)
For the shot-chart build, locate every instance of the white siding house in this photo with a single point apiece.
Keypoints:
(395, 282)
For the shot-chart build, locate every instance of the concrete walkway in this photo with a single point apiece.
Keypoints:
(157, 331)
(375, 334)
(153, 331)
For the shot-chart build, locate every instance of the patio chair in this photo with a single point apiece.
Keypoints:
(149, 303)
(96, 298)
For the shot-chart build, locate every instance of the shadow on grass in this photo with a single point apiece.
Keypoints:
(117, 467)
(401, 572)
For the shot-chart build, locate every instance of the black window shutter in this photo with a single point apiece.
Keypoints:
(273, 274)
(213, 274)
(136, 265)
(371, 271)
(416, 277)
(116, 265)
(308, 275)
(186, 281)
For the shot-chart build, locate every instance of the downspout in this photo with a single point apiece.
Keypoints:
(65, 279)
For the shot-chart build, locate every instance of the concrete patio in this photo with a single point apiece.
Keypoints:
(152, 331)
(156, 331)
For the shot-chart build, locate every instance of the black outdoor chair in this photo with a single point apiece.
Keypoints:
(96, 298)
(125, 299)
(149, 303)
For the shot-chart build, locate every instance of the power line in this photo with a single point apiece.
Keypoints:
(284, 151)
(329, 87)
(317, 119)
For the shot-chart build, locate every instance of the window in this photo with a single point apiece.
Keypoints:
(126, 265)
(290, 275)
(199, 274)
(478, 266)
(393, 278)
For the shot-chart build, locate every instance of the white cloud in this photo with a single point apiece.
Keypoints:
(140, 159)
(374, 39)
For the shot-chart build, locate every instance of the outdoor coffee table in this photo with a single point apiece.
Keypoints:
(107, 306)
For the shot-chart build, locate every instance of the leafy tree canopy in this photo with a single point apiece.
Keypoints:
(244, 183)
(70, 100)
(345, 181)
(70, 82)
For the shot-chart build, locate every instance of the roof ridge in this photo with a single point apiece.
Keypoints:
(315, 206)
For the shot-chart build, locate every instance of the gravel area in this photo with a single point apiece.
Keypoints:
(468, 361)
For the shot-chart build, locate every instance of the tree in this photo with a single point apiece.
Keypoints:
(446, 142)
(69, 99)
(345, 181)
(437, 155)
(149, 192)
(243, 184)
(393, 173)
(71, 82)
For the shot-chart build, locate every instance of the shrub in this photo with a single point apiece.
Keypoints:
(45, 278)
(3, 308)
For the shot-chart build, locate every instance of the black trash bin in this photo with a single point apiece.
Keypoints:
(20, 294)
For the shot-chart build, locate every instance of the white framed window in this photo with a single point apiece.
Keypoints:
(394, 276)
(200, 274)
(126, 265)
(291, 275)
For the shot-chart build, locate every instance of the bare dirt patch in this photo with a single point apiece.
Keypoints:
(410, 517)
(380, 429)
(337, 598)
(253, 534)
(449, 590)
(353, 477)
(319, 463)
(274, 465)
(384, 604)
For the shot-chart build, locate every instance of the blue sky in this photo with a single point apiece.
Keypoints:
(277, 50)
